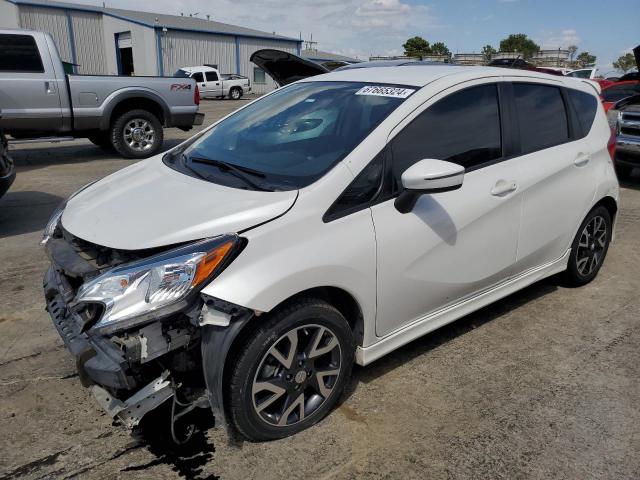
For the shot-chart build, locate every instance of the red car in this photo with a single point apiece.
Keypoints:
(617, 91)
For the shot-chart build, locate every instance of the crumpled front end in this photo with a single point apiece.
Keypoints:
(136, 364)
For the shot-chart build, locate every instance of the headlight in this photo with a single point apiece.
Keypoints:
(136, 292)
(56, 216)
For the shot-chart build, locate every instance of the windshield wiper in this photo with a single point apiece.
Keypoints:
(236, 171)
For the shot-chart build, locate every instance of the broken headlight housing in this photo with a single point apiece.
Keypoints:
(156, 286)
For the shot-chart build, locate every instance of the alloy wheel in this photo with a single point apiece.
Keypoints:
(296, 375)
(139, 134)
(592, 245)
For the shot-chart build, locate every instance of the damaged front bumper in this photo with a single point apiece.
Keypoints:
(114, 367)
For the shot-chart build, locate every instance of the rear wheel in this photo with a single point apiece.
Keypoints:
(589, 247)
(136, 134)
(235, 93)
(292, 371)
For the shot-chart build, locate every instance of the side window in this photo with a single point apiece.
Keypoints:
(211, 76)
(198, 77)
(585, 106)
(463, 128)
(362, 190)
(541, 115)
(19, 54)
(258, 76)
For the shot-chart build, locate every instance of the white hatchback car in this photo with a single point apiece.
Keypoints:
(328, 222)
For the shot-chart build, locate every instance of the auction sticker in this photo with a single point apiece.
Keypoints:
(382, 91)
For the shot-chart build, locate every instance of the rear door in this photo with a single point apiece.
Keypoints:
(558, 180)
(29, 89)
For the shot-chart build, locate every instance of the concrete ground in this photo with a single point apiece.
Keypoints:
(544, 384)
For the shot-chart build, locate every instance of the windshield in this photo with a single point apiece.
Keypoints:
(292, 137)
(181, 73)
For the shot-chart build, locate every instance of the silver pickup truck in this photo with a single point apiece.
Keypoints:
(124, 113)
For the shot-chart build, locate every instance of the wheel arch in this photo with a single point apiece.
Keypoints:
(135, 100)
(610, 204)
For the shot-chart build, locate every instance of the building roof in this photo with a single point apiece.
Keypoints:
(320, 56)
(173, 22)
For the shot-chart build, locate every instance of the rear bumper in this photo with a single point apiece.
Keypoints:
(186, 120)
(97, 359)
(629, 146)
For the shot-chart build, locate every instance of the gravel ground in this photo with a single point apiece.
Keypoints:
(544, 384)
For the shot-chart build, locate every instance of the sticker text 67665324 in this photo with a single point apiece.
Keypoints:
(382, 91)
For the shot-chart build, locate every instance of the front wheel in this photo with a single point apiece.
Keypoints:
(136, 134)
(292, 371)
(589, 247)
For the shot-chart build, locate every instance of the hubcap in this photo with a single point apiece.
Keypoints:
(296, 375)
(591, 246)
(139, 134)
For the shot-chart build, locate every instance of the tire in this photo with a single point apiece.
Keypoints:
(298, 384)
(589, 247)
(623, 171)
(101, 140)
(235, 93)
(136, 134)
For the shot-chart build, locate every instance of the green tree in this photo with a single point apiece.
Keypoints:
(625, 62)
(440, 48)
(519, 42)
(416, 47)
(487, 51)
(572, 51)
(584, 59)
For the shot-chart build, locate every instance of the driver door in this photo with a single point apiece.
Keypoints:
(454, 244)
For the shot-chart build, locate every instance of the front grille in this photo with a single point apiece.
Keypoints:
(630, 131)
(634, 117)
(100, 257)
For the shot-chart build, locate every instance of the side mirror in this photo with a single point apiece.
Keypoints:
(427, 176)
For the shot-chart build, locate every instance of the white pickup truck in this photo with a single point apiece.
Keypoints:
(213, 84)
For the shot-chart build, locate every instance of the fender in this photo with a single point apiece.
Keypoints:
(118, 96)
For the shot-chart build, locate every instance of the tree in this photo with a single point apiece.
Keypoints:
(487, 51)
(519, 42)
(416, 47)
(585, 59)
(625, 62)
(572, 51)
(440, 48)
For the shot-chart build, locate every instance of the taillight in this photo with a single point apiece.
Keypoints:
(196, 96)
(611, 145)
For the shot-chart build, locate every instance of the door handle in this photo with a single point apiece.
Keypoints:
(203, 84)
(581, 159)
(217, 83)
(50, 88)
(503, 187)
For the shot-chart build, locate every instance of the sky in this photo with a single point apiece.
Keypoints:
(362, 28)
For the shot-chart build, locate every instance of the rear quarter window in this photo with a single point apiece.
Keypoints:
(19, 53)
(585, 106)
(542, 116)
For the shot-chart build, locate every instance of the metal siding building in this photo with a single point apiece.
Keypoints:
(112, 41)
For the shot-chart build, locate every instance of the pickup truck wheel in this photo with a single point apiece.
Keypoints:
(235, 93)
(291, 371)
(101, 140)
(137, 134)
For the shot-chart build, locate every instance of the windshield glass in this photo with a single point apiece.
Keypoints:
(292, 137)
(181, 73)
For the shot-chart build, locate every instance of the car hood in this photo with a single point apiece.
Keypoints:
(151, 205)
(284, 67)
